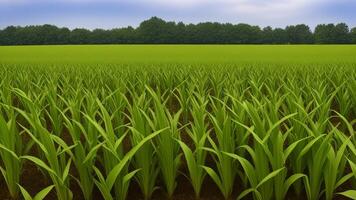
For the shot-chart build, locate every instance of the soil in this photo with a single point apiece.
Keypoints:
(34, 180)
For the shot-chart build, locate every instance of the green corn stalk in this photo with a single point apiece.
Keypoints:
(350, 193)
(184, 91)
(112, 149)
(167, 149)
(250, 173)
(260, 124)
(84, 152)
(10, 149)
(145, 159)
(225, 142)
(105, 185)
(54, 106)
(334, 173)
(273, 152)
(39, 196)
(198, 133)
(54, 150)
(315, 152)
(352, 150)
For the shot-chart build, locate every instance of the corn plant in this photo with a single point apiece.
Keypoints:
(272, 129)
(334, 174)
(11, 149)
(270, 149)
(351, 160)
(105, 185)
(167, 148)
(315, 151)
(350, 193)
(225, 142)
(198, 133)
(55, 150)
(112, 151)
(145, 159)
(85, 151)
(39, 196)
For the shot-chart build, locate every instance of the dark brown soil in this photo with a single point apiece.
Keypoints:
(34, 180)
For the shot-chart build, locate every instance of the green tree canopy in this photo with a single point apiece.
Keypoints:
(159, 31)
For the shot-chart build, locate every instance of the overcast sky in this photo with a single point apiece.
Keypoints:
(117, 13)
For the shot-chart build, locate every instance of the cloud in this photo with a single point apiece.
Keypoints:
(243, 6)
(111, 13)
(251, 8)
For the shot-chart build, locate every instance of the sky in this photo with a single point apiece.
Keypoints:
(120, 13)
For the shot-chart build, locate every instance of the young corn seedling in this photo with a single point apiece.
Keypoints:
(334, 173)
(145, 159)
(85, 150)
(112, 152)
(259, 120)
(167, 148)
(224, 176)
(269, 157)
(342, 97)
(322, 101)
(54, 108)
(315, 152)
(184, 91)
(239, 115)
(349, 139)
(198, 133)
(10, 149)
(351, 193)
(352, 92)
(39, 196)
(105, 185)
(310, 121)
(54, 149)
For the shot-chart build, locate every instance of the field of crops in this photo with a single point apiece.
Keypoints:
(221, 125)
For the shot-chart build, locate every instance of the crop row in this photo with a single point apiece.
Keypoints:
(262, 132)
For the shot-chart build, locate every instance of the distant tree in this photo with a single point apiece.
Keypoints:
(159, 31)
(353, 35)
(267, 35)
(299, 34)
(331, 34)
(189, 35)
(324, 33)
(31, 35)
(208, 33)
(342, 35)
(1, 37)
(49, 34)
(273, 36)
(180, 34)
(9, 36)
(63, 36)
(155, 30)
(246, 34)
(280, 36)
(100, 36)
(124, 36)
(80, 36)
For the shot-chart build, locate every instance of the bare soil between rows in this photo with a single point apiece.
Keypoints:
(34, 180)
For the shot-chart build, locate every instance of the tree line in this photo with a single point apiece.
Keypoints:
(158, 31)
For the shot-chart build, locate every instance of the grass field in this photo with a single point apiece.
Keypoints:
(178, 122)
(186, 54)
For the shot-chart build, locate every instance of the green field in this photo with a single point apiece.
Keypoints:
(186, 54)
(178, 122)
